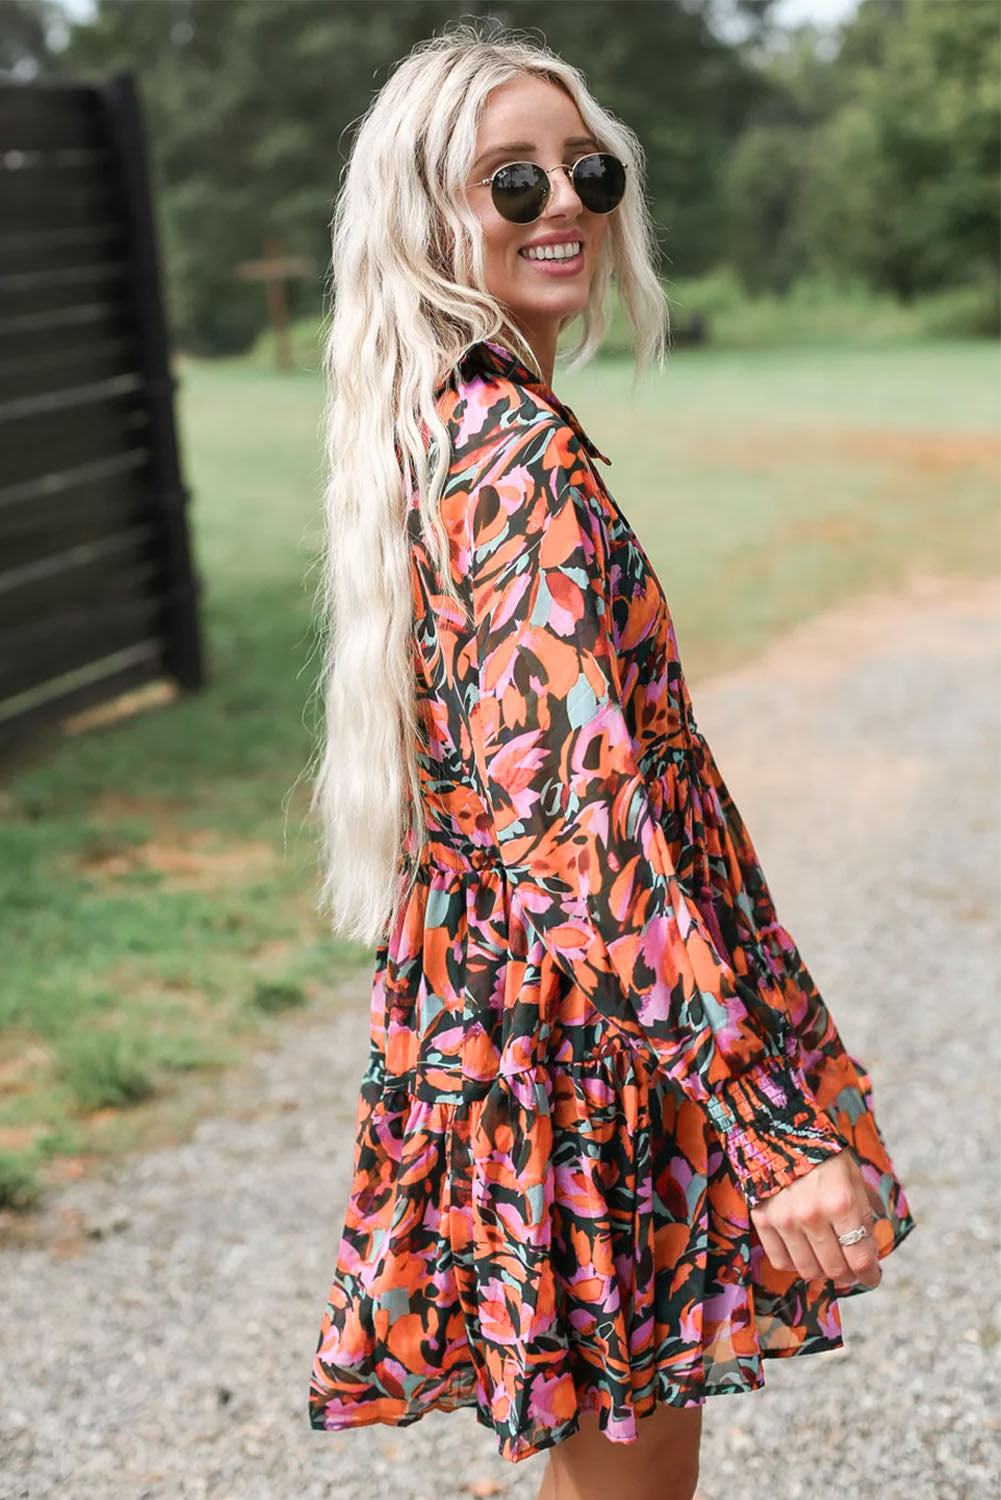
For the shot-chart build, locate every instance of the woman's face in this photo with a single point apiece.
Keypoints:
(531, 119)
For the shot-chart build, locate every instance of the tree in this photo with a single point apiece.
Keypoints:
(903, 184)
(764, 185)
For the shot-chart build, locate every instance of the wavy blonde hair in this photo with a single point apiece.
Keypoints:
(409, 298)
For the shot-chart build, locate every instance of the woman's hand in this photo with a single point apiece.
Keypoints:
(799, 1225)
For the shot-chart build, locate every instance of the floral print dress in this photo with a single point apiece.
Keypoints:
(593, 1044)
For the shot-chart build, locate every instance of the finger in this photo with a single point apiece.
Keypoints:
(803, 1257)
(834, 1258)
(860, 1257)
(841, 1267)
(829, 1254)
(774, 1247)
(855, 1261)
(871, 1273)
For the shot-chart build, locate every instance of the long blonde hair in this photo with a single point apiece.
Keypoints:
(409, 298)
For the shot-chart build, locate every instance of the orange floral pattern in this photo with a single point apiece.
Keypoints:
(593, 1045)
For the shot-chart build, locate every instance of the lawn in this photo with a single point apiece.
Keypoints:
(158, 873)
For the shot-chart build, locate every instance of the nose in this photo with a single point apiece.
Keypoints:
(563, 197)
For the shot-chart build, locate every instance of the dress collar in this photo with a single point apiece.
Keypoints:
(493, 358)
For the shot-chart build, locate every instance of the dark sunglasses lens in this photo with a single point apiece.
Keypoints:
(600, 181)
(519, 191)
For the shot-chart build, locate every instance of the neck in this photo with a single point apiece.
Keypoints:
(542, 342)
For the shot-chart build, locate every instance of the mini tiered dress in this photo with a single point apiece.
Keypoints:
(593, 1045)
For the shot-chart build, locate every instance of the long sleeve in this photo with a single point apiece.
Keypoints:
(575, 826)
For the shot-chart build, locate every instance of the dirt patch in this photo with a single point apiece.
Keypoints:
(185, 858)
(273, 952)
(938, 451)
(124, 706)
(196, 860)
(117, 804)
(779, 446)
(829, 644)
(21, 1060)
(838, 530)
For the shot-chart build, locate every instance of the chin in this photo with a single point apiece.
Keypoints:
(554, 307)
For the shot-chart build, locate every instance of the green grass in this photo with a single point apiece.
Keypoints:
(157, 875)
(768, 485)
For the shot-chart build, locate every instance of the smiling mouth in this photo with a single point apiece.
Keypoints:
(561, 255)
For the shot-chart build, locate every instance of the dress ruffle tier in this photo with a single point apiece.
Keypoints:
(538, 1227)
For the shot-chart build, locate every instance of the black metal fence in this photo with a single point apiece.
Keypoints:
(97, 590)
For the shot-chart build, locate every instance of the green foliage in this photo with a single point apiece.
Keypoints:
(20, 1185)
(250, 108)
(277, 996)
(305, 337)
(764, 185)
(831, 309)
(101, 1068)
(902, 183)
(874, 160)
(880, 164)
(972, 311)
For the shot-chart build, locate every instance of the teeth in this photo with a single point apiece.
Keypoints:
(553, 252)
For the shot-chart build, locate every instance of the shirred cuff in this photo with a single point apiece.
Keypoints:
(773, 1130)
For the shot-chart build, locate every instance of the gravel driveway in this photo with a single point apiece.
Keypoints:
(157, 1337)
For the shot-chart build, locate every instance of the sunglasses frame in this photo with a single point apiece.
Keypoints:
(549, 187)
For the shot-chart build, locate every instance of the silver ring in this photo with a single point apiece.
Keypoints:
(853, 1236)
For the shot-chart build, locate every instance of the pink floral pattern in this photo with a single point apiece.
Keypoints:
(593, 1045)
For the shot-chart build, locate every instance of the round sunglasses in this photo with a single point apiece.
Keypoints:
(521, 189)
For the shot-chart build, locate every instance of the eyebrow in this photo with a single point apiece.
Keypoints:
(513, 147)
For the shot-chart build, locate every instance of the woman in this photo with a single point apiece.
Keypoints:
(611, 1150)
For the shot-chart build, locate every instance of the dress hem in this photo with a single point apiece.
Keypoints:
(551, 1437)
(404, 1417)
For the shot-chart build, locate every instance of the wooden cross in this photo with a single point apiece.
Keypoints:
(274, 270)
